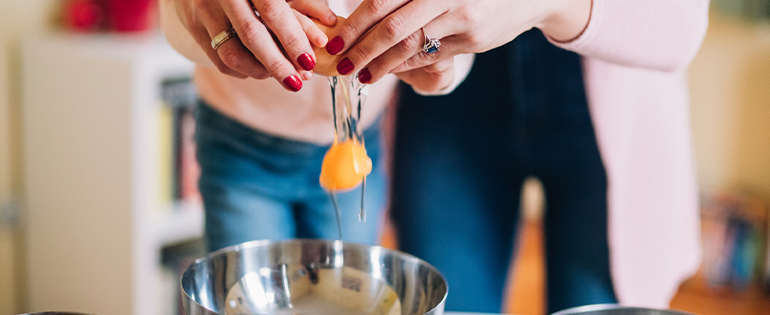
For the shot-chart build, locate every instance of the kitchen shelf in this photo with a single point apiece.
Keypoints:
(95, 223)
(182, 221)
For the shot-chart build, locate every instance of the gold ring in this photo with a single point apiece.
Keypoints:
(222, 37)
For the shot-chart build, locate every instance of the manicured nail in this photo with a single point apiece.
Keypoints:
(306, 62)
(293, 83)
(345, 66)
(335, 45)
(364, 76)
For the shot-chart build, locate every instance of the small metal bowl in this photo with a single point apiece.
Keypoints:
(311, 277)
(614, 309)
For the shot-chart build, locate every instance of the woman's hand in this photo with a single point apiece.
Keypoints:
(276, 43)
(430, 79)
(463, 26)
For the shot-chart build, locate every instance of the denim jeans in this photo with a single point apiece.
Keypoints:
(460, 161)
(260, 186)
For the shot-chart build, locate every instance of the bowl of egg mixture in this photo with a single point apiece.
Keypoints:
(312, 277)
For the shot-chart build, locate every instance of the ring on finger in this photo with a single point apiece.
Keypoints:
(222, 37)
(430, 45)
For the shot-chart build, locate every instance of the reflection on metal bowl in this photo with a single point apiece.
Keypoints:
(312, 277)
(613, 309)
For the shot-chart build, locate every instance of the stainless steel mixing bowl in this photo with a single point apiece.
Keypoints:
(613, 309)
(312, 277)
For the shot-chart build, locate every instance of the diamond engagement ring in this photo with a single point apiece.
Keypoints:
(222, 37)
(431, 44)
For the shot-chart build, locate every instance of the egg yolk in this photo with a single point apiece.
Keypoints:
(344, 166)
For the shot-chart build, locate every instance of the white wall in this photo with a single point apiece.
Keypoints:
(730, 88)
(17, 17)
(7, 281)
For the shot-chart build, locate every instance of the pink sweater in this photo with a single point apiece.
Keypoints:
(636, 54)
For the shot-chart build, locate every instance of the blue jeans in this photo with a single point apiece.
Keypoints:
(259, 186)
(460, 161)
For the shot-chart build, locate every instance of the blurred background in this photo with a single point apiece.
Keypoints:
(91, 85)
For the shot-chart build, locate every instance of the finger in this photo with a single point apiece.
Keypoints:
(366, 15)
(231, 52)
(440, 66)
(255, 46)
(280, 19)
(202, 38)
(317, 9)
(426, 81)
(306, 75)
(314, 34)
(438, 69)
(450, 46)
(235, 56)
(195, 18)
(393, 57)
(388, 33)
(409, 47)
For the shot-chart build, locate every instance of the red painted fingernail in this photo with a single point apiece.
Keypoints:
(293, 82)
(335, 45)
(306, 62)
(345, 66)
(364, 76)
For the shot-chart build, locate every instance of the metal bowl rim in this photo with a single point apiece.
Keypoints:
(600, 307)
(259, 243)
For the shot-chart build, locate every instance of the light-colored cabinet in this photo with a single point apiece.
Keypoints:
(94, 223)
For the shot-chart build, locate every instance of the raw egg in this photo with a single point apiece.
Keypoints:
(345, 166)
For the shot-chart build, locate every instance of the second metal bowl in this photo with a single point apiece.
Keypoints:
(614, 309)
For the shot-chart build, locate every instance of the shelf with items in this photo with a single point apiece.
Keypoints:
(182, 221)
(95, 220)
(178, 196)
(734, 238)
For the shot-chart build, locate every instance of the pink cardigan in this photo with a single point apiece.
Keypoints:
(636, 55)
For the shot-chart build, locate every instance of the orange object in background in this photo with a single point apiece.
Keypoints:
(345, 166)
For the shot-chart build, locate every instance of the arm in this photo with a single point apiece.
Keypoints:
(655, 34)
(396, 29)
